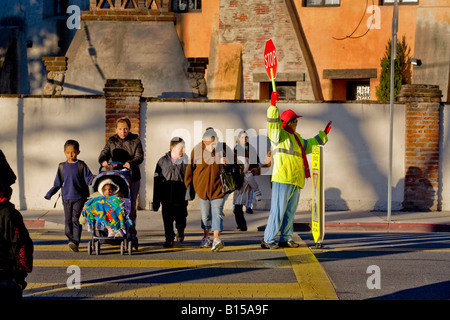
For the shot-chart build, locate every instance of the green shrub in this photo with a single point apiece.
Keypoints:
(402, 71)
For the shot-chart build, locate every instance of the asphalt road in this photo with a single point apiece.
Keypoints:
(386, 266)
(356, 266)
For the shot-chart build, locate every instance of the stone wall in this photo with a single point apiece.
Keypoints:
(251, 24)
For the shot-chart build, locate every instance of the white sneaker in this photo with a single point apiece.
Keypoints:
(217, 245)
(258, 195)
(206, 242)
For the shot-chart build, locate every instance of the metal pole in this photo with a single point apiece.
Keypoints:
(391, 133)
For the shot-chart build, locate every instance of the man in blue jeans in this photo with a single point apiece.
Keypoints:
(290, 168)
(203, 171)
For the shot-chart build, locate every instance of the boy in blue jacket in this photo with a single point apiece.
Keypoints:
(73, 178)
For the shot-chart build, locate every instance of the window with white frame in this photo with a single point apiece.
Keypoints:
(388, 2)
(322, 3)
(186, 5)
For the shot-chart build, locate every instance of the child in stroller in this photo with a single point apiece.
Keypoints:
(107, 210)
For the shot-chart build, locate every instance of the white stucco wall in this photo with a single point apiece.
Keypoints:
(35, 138)
(356, 156)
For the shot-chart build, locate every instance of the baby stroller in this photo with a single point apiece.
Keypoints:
(108, 216)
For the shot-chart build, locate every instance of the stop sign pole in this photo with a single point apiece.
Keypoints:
(271, 62)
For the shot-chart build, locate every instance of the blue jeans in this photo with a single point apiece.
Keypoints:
(212, 214)
(282, 211)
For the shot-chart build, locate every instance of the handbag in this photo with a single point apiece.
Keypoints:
(231, 177)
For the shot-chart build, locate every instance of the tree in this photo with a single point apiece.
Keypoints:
(402, 71)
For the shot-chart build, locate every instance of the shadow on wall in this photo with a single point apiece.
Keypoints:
(419, 192)
(334, 201)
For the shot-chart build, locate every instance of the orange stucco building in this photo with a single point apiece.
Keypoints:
(341, 46)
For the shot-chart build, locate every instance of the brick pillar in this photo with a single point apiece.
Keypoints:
(56, 68)
(196, 71)
(122, 100)
(421, 146)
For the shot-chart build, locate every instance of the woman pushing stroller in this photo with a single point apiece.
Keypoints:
(125, 147)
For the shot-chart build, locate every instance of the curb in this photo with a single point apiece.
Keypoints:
(42, 224)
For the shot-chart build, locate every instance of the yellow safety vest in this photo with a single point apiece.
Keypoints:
(288, 166)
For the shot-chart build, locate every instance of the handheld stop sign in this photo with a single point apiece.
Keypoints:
(271, 62)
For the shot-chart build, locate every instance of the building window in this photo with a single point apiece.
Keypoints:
(286, 90)
(322, 3)
(390, 2)
(186, 5)
(358, 90)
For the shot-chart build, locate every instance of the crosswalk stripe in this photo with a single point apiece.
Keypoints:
(126, 263)
(150, 247)
(312, 280)
(310, 274)
(100, 290)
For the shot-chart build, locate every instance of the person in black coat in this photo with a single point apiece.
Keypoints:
(16, 246)
(169, 191)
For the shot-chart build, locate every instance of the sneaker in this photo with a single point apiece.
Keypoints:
(271, 245)
(217, 245)
(206, 242)
(258, 195)
(73, 246)
(249, 210)
(288, 244)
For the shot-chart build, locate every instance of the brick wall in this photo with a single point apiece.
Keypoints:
(196, 71)
(122, 100)
(137, 10)
(253, 22)
(56, 67)
(421, 146)
(55, 63)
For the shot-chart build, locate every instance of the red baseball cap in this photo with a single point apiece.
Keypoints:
(288, 115)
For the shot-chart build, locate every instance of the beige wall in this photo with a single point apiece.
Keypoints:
(34, 138)
(356, 156)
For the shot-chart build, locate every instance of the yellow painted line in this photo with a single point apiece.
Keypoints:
(128, 263)
(312, 278)
(158, 236)
(391, 249)
(146, 248)
(171, 290)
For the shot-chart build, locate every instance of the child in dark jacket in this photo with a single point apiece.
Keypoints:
(169, 191)
(74, 180)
